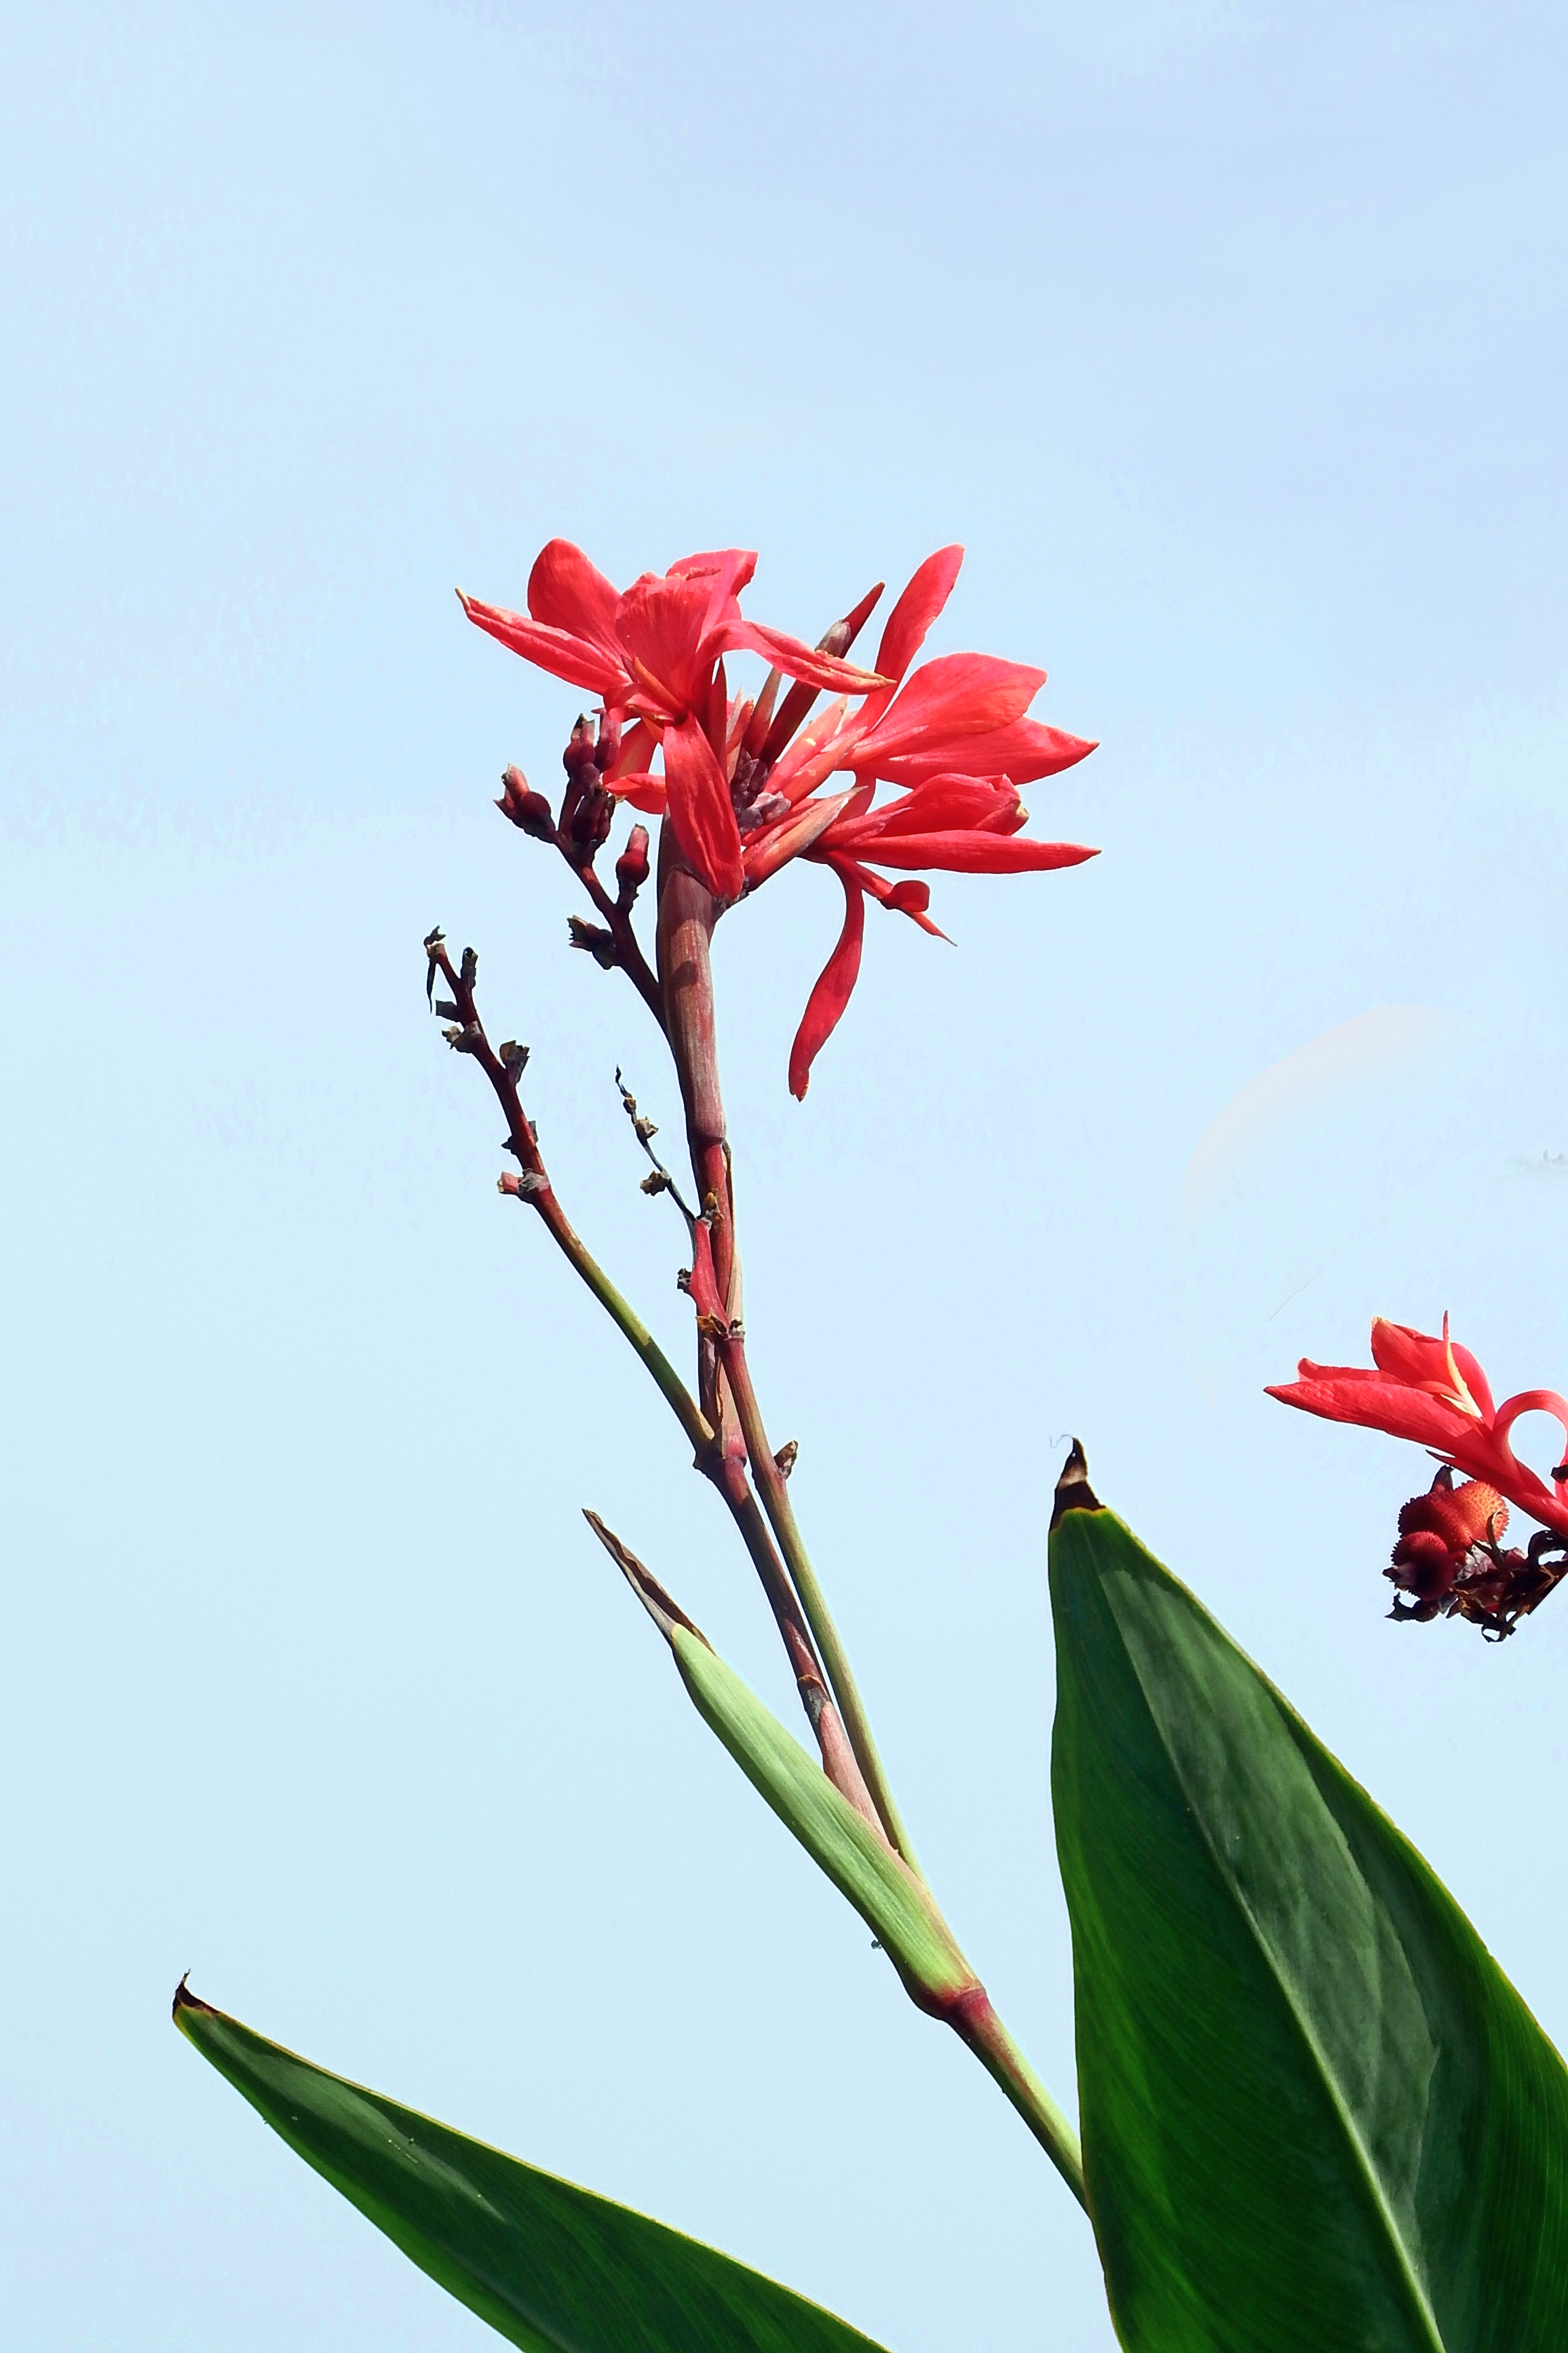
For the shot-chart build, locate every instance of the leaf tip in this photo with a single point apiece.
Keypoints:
(1074, 1492)
(666, 1612)
(185, 1999)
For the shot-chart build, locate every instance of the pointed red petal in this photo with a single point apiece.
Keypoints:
(795, 658)
(1022, 753)
(579, 663)
(566, 592)
(700, 810)
(831, 994)
(917, 608)
(956, 695)
(1342, 1393)
(965, 853)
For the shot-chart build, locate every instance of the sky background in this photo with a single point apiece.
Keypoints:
(1231, 341)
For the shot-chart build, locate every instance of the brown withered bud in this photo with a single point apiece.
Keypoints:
(524, 806)
(631, 866)
(785, 1460)
(599, 944)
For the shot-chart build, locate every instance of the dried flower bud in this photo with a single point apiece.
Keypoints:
(524, 806)
(514, 1059)
(599, 944)
(632, 865)
(658, 1182)
(578, 756)
(784, 1461)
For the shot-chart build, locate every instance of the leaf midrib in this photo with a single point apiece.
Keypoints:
(1359, 2149)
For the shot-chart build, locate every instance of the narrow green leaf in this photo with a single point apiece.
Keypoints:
(552, 2267)
(861, 1865)
(1315, 2114)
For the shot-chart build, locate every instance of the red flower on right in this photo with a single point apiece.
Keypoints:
(1449, 1558)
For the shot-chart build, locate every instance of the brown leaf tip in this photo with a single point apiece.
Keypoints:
(185, 1999)
(1074, 1492)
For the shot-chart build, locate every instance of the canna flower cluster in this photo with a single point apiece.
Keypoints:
(1448, 1558)
(748, 785)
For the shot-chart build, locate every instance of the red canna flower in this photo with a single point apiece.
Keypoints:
(1434, 1391)
(656, 653)
(741, 783)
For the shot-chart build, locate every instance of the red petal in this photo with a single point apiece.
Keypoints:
(660, 622)
(899, 898)
(917, 608)
(792, 836)
(955, 696)
(948, 804)
(572, 658)
(700, 810)
(1022, 753)
(644, 791)
(831, 994)
(638, 746)
(566, 592)
(725, 570)
(1407, 1355)
(1340, 1393)
(966, 853)
(795, 658)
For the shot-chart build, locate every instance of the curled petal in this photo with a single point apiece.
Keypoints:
(700, 810)
(562, 655)
(949, 804)
(911, 899)
(832, 992)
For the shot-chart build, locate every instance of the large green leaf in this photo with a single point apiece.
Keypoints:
(1316, 2115)
(551, 2266)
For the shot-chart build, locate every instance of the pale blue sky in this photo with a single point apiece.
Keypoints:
(1231, 342)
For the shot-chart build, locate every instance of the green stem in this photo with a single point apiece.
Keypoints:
(678, 1397)
(976, 2023)
(774, 1489)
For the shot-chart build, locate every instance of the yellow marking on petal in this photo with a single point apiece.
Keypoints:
(1460, 1393)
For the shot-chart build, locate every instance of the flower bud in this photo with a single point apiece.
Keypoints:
(607, 750)
(631, 866)
(524, 806)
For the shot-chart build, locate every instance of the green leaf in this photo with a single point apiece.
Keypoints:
(1316, 2116)
(552, 2267)
(860, 1862)
(861, 1865)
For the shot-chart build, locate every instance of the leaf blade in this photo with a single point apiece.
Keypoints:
(1314, 2110)
(550, 2267)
